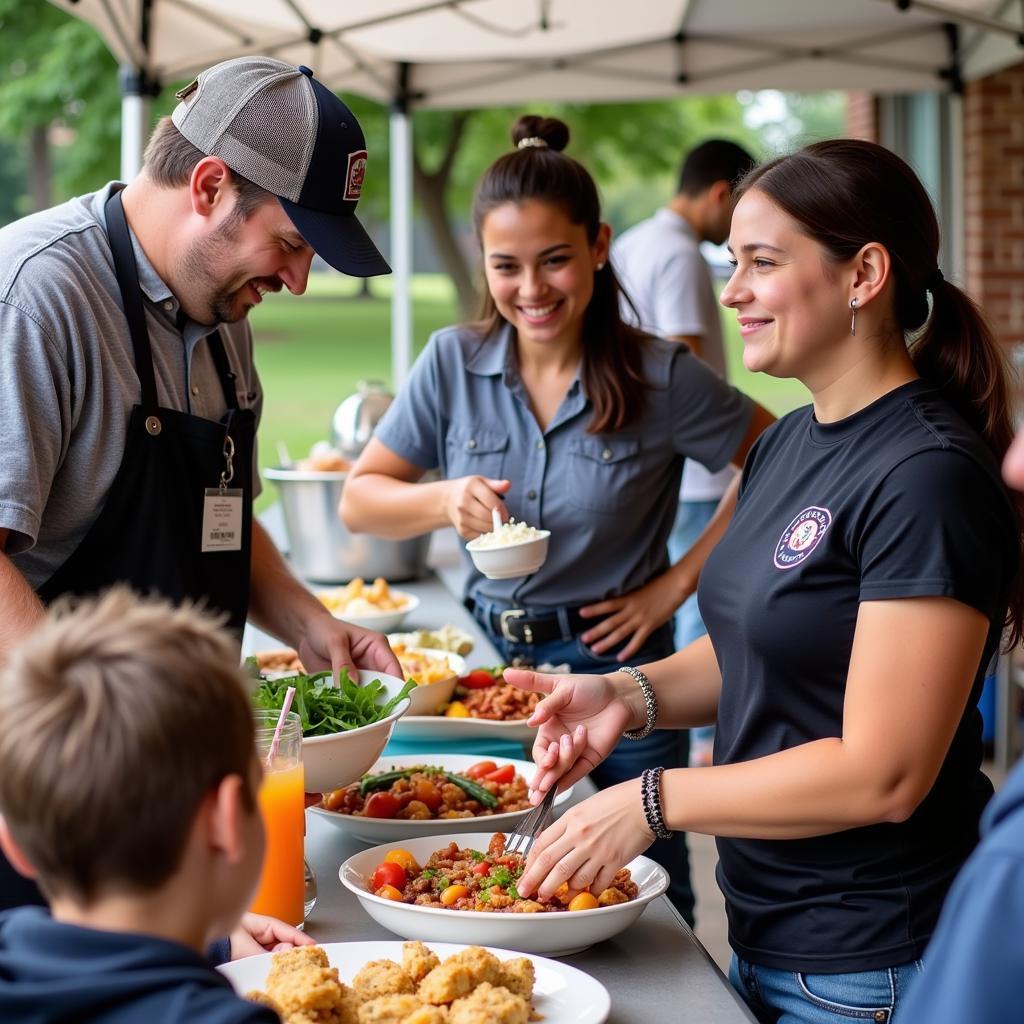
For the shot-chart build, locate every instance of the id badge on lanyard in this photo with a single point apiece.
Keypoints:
(222, 508)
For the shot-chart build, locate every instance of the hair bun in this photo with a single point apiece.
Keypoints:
(554, 132)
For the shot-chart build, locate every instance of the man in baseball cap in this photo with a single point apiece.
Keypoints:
(284, 131)
(126, 371)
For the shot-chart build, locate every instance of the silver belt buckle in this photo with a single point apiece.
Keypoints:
(514, 613)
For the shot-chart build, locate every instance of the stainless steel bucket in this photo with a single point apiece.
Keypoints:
(322, 549)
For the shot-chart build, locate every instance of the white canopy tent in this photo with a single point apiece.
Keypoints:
(473, 53)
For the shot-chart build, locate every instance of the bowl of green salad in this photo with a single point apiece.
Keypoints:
(346, 722)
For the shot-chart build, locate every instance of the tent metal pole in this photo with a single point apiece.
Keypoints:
(135, 101)
(400, 125)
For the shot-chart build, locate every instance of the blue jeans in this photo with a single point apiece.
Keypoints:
(666, 747)
(793, 997)
(691, 518)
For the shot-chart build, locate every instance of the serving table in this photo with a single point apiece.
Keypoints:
(656, 970)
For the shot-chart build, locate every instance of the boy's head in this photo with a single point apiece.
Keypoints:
(127, 753)
(708, 175)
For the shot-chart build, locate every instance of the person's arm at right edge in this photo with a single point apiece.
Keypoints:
(20, 608)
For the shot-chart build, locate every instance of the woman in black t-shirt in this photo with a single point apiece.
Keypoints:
(853, 607)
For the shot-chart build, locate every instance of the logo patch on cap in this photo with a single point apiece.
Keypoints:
(354, 174)
(802, 536)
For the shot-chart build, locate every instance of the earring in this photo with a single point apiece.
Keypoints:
(600, 266)
(853, 315)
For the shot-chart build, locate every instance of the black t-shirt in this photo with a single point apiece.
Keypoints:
(900, 500)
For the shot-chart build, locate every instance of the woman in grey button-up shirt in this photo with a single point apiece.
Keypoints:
(553, 410)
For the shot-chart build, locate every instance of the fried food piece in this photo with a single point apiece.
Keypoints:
(518, 976)
(314, 995)
(446, 982)
(295, 959)
(427, 1015)
(610, 897)
(382, 978)
(417, 960)
(483, 966)
(490, 1004)
(391, 1009)
(264, 1000)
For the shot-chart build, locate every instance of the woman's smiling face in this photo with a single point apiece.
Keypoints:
(791, 312)
(540, 269)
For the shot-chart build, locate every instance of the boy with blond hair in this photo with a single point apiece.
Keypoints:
(128, 781)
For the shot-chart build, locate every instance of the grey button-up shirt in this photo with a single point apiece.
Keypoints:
(68, 381)
(609, 500)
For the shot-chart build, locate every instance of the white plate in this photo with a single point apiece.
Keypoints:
(561, 994)
(438, 727)
(389, 830)
(551, 934)
(383, 622)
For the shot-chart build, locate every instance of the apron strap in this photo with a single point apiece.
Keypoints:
(224, 371)
(127, 273)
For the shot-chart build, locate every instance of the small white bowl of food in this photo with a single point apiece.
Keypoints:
(374, 606)
(345, 727)
(403, 889)
(511, 550)
(435, 674)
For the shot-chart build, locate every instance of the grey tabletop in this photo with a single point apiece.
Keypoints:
(655, 971)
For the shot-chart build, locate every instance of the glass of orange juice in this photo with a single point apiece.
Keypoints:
(281, 889)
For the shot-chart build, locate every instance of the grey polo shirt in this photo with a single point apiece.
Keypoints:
(609, 500)
(68, 381)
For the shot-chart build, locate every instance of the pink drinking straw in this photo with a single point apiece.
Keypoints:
(276, 741)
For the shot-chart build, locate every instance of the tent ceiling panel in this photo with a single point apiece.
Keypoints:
(485, 52)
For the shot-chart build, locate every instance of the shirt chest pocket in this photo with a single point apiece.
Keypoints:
(602, 473)
(475, 451)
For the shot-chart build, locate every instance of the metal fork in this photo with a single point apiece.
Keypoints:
(522, 839)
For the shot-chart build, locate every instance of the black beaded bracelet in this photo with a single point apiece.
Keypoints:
(650, 792)
(650, 703)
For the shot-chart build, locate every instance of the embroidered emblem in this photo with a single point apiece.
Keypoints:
(802, 536)
(354, 174)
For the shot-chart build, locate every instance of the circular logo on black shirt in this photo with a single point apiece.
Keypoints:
(802, 536)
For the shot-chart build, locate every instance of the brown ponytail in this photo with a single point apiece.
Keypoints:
(612, 351)
(845, 193)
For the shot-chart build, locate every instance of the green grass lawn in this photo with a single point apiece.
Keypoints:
(312, 350)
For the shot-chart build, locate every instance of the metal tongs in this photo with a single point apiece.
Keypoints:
(522, 839)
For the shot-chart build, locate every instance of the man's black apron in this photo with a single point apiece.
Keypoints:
(149, 532)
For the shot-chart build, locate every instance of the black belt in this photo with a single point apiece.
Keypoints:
(518, 626)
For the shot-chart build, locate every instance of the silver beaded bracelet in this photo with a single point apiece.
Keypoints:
(650, 703)
(650, 792)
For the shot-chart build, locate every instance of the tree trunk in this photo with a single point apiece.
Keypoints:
(431, 188)
(39, 169)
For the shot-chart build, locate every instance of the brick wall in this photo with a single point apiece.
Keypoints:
(862, 116)
(994, 199)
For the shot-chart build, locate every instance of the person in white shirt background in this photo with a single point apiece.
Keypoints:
(671, 295)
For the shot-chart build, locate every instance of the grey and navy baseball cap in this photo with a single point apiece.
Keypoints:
(276, 125)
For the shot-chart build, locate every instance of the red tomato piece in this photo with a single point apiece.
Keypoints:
(382, 805)
(480, 769)
(388, 873)
(477, 679)
(482, 869)
(504, 774)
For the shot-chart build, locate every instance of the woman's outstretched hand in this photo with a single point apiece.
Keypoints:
(588, 844)
(588, 711)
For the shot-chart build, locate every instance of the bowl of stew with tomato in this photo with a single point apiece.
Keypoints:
(408, 795)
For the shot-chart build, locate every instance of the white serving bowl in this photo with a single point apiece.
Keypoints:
(330, 762)
(551, 934)
(384, 621)
(428, 697)
(510, 560)
(390, 830)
